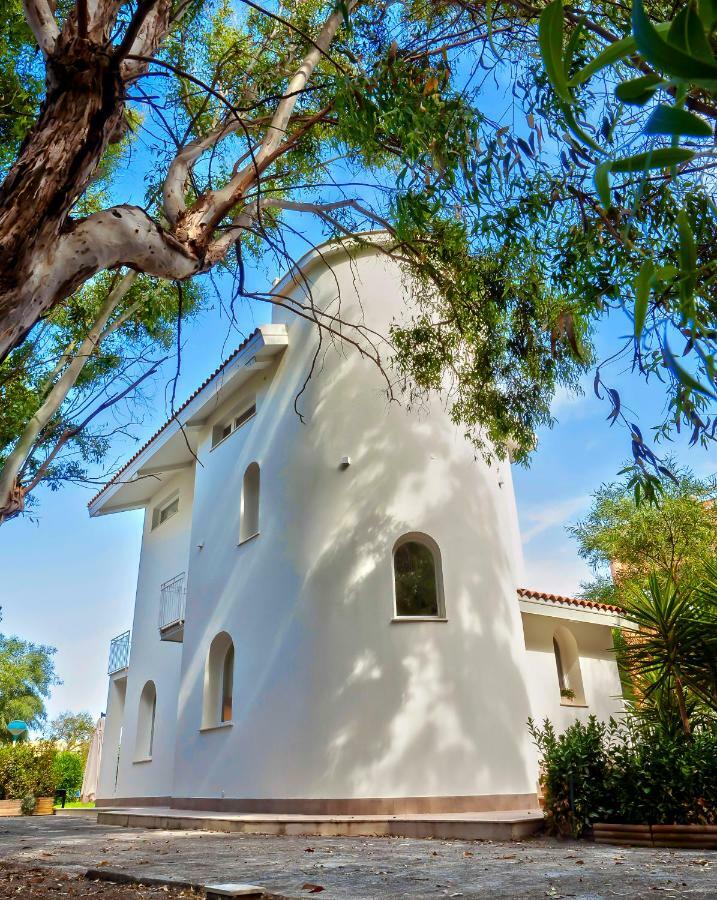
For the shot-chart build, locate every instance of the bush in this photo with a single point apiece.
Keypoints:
(628, 773)
(68, 771)
(27, 768)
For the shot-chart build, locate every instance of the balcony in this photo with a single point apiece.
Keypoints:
(172, 604)
(119, 653)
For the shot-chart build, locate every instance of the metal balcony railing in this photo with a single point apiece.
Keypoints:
(119, 653)
(172, 602)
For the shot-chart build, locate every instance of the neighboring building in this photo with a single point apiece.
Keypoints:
(327, 615)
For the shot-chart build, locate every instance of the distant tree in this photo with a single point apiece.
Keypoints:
(73, 730)
(69, 769)
(27, 672)
(671, 539)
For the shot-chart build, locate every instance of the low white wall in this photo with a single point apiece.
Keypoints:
(601, 680)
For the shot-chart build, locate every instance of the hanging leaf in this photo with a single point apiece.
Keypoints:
(683, 376)
(688, 33)
(677, 122)
(642, 295)
(688, 265)
(638, 91)
(550, 34)
(602, 183)
(653, 159)
(666, 56)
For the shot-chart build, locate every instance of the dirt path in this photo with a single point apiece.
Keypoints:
(356, 868)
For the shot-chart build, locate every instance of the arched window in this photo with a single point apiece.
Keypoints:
(567, 663)
(417, 577)
(249, 516)
(219, 682)
(145, 722)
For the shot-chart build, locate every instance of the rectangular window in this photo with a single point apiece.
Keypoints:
(161, 513)
(224, 429)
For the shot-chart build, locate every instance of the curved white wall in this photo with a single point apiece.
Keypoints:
(331, 698)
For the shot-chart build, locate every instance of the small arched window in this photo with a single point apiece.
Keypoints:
(249, 515)
(417, 577)
(567, 663)
(144, 742)
(219, 682)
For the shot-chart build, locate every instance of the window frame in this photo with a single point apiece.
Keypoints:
(242, 414)
(146, 724)
(157, 520)
(255, 474)
(214, 683)
(431, 545)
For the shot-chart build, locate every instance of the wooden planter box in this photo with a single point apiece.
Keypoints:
(10, 808)
(44, 806)
(688, 836)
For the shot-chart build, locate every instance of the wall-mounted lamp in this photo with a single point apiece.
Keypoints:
(344, 462)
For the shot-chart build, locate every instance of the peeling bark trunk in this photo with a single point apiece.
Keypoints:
(82, 114)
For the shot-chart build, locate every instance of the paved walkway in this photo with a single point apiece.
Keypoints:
(365, 868)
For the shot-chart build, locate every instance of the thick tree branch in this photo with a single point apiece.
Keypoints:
(38, 14)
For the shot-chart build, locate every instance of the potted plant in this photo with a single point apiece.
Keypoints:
(567, 695)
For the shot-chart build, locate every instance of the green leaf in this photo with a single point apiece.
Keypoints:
(687, 33)
(663, 55)
(579, 133)
(637, 91)
(611, 54)
(602, 183)
(642, 295)
(684, 377)
(675, 121)
(653, 159)
(666, 272)
(707, 10)
(550, 34)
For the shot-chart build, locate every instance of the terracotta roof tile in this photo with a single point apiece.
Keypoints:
(172, 418)
(567, 601)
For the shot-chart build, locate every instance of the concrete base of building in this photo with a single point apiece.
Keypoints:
(470, 826)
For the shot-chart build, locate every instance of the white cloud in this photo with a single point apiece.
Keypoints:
(540, 518)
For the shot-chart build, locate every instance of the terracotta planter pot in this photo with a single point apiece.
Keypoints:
(44, 806)
(10, 808)
(694, 837)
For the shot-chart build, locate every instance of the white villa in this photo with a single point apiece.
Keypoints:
(329, 614)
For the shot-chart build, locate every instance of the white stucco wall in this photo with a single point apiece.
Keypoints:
(332, 699)
(164, 554)
(601, 680)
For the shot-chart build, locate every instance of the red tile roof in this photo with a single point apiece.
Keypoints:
(172, 418)
(567, 601)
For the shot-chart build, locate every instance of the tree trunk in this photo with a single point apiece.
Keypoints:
(82, 114)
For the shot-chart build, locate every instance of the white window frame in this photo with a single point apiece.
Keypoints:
(432, 546)
(157, 519)
(238, 419)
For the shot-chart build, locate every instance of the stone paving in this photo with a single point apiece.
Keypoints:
(364, 868)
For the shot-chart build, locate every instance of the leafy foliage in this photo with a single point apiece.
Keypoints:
(626, 773)
(73, 731)
(26, 674)
(68, 769)
(27, 769)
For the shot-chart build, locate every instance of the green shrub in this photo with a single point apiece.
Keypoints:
(626, 772)
(68, 771)
(27, 768)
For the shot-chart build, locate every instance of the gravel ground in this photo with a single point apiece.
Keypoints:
(357, 868)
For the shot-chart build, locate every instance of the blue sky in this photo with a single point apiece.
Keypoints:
(69, 580)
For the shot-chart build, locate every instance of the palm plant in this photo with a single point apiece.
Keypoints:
(664, 656)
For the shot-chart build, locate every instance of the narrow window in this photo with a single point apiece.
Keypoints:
(567, 663)
(165, 511)
(417, 577)
(559, 664)
(144, 743)
(218, 702)
(224, 429)
(228, 684)
(249, 511)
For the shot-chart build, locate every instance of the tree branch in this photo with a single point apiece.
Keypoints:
(38, 14)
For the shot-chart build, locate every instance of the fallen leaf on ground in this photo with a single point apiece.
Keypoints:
(312, 888)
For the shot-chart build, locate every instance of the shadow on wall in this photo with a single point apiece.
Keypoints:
(340, 701)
